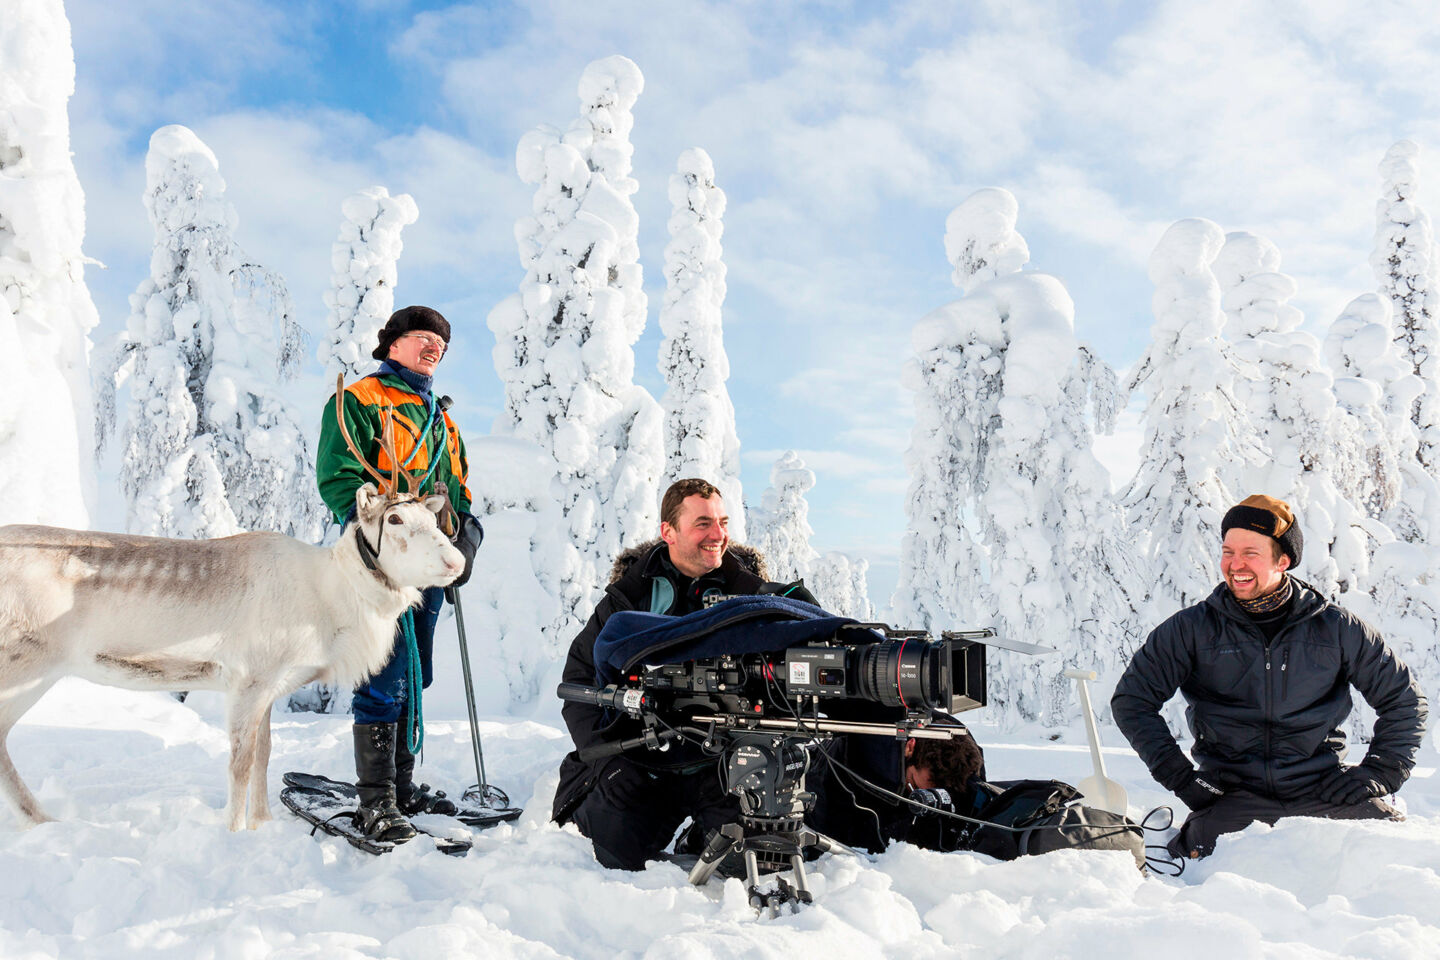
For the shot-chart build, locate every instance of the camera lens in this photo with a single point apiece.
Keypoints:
(901, 673)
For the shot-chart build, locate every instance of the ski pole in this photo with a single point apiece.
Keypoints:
(469, 692)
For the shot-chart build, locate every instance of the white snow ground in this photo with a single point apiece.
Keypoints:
(141, 865)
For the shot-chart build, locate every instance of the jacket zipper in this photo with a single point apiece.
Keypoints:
(1269, 766)
(1268, 760)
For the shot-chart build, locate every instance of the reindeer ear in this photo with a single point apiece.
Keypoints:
(435, 503)
(368, 499)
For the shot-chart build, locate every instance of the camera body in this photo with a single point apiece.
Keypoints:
(907, 670)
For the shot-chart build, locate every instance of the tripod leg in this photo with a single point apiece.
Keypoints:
(752, 869)
(802, 887)
(721, 842)
(810, 838)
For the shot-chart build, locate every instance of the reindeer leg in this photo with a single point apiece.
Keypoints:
(242, 718)
(13, 705)
(259, 771)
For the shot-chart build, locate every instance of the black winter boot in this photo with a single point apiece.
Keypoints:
(378, 817)
(412, 799)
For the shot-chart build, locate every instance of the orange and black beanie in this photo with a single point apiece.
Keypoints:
(1269, 516)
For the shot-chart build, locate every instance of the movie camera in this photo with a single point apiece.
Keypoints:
(764, 715)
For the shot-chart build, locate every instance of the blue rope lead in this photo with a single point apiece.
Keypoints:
(414, 715)
(431, 409)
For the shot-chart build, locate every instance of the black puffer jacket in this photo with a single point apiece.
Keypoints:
(1267, 718)
(641, 579)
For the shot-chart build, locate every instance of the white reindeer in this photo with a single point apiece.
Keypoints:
(255, 615)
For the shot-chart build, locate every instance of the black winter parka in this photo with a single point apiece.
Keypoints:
(642, 579)
(1267, 717)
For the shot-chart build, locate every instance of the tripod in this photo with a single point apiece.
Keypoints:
(766, 771)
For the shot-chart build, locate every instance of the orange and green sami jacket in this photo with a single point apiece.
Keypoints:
(339, 473)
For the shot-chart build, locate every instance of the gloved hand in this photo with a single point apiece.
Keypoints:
(1350, 785)
(795, 591)
(467, 540)
(1197, 793)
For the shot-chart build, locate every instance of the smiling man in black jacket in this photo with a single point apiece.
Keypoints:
(1266, 665)
(630, 805)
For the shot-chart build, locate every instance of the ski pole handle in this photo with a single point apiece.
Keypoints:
(1080, 674)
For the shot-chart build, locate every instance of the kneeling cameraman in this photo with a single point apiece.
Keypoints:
(631, 805)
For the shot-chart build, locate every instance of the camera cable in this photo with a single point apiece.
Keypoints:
(1161, 862)
(926, 808)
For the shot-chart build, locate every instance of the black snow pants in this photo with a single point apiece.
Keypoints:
(1237, 809)
(633, 811)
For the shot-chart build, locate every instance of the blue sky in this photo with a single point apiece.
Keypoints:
(842, 133)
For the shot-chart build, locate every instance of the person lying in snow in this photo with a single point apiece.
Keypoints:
(941, 774)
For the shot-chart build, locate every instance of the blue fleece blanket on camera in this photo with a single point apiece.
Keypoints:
(738, 626)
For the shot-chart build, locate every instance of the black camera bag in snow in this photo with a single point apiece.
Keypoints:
(1043, 816)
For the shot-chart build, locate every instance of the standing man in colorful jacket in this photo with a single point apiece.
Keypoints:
(428, 446)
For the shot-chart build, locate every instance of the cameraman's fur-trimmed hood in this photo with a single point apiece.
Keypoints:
(745, 556)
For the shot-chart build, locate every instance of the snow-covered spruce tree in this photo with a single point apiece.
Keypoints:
(1198, 438)
(781, 526)
(47, 428)
(700, 438)
(1362, 358)
(1060, 572)
(839, 582)
(1375, 385)
(1403, 261)
(208, 446)
(564, 342)
(1314, 449)
(1003, 440)
(362, 287)
(1403, 583)
(956, 411)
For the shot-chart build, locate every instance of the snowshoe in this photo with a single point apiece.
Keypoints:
(474, 808)
(332, 806)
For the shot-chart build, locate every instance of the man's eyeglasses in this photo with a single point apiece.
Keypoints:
(427, 340)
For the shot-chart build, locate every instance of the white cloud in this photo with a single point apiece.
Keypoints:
(1063, 197)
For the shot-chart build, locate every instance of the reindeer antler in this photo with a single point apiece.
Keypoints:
(387, 443)
(387, 488)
